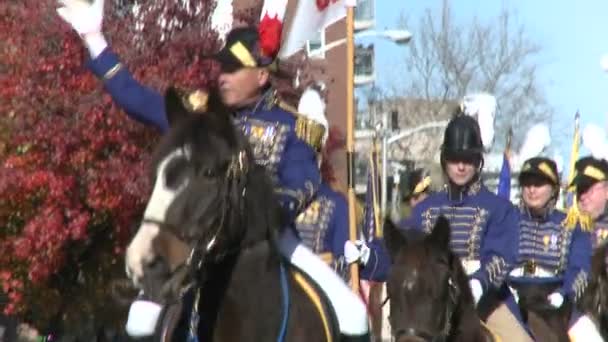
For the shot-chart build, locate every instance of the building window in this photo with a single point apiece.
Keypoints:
(364, 65)
(315, 48)
(365, 15)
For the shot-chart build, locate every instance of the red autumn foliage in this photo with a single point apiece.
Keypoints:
(72, 166)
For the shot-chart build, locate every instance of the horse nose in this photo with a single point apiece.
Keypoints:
(406, 335)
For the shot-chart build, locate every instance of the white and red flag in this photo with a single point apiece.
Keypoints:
(271, 26)
(308, 18)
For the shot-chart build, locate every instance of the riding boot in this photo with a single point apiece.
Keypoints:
(355, 338)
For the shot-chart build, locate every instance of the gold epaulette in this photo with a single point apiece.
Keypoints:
(574, 216)
(310, 131)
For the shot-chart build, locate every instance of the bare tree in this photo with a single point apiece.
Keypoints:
(445, 61)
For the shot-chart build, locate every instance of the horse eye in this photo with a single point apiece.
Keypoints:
(175, 172)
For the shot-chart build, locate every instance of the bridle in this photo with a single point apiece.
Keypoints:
(448, 313)
(204, 249)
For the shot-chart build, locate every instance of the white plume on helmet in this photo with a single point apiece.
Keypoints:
(538, 138)
(482, 106)
(312, 106)
(594, 139)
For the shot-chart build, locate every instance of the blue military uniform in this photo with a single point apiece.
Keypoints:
(551, 253)
(484, 230)
(323, 227)
(277, 135)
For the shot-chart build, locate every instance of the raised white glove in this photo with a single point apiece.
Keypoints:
(357, 251)
(476, 289)
(556, 299)
(86, 19)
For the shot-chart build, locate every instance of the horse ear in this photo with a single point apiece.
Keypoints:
(440, 235)
(174, 107)
(394, 240)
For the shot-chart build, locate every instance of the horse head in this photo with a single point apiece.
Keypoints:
(205, 183)
(427, 287)
(594, 301)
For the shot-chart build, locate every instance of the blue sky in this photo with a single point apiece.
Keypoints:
(573, 39)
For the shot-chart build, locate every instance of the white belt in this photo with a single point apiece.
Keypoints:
(539, 272)
(470, 266)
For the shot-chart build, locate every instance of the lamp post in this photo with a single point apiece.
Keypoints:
(400, 37)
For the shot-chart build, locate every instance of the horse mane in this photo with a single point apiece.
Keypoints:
(595, 298)
(213, 135)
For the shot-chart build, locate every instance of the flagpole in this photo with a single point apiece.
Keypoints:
(350, 143)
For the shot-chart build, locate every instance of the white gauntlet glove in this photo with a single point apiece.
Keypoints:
(143, 316)
(86, 19)
(476, 289)
(357, 251)
(556, 299)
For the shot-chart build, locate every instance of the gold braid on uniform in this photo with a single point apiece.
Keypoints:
(308, 130)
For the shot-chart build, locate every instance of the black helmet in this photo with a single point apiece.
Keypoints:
(462, 139)
(539, 169)
(588, 171)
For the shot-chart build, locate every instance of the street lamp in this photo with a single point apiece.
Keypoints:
(397, 36)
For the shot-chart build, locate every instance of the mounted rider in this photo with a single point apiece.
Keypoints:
(484, 226)
(279, 137)
(554, 257)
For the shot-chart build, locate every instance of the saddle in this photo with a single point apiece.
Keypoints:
(174, 315)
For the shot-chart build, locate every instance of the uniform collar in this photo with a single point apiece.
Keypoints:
(544, 217)
(459, 193)
(265, 102)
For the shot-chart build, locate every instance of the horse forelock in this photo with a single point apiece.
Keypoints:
(420, 263)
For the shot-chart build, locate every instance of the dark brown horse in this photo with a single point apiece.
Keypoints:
(546, 322)
(207, 241)
(594, 301)
(430, 298)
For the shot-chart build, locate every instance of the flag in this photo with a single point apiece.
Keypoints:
(271, 26)
(371, 221)
(504, 179)
(308, 18)
(576, 142)
(574, 215)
